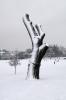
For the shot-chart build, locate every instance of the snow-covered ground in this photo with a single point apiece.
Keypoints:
(50, 86)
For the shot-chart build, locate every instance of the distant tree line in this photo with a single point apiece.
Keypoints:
(56, 51)
(53, 51)
(8, 55)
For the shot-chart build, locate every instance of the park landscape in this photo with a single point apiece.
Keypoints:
(37, 77)
(50, 86)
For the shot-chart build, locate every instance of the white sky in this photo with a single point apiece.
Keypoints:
(50, 13)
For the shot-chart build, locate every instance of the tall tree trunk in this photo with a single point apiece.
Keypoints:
(38, 48)
(34, 68)
(33, 71)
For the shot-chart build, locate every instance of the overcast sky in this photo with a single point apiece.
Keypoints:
(50, 13)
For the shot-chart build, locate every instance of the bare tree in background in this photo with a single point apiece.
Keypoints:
(38, 48)
(14, 62)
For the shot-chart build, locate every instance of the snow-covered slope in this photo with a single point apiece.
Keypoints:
(50, 86)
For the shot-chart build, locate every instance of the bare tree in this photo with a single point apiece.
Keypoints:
(14, 62)
(38, 48)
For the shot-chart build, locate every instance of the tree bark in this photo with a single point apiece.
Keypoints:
(34, 63)
(15, 69)
(38, 48)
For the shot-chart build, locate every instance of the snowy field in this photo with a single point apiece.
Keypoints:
(50, 86)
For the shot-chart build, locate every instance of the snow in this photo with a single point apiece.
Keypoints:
(50, 86)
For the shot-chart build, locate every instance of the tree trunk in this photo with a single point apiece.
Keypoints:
(36, 70)
(15, 69)
(33, 71)
(34, 64)
(38, 49)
